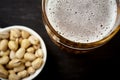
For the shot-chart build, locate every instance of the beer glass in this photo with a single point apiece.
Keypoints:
(79, 26)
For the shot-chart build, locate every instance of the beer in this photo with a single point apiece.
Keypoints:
(82, 21)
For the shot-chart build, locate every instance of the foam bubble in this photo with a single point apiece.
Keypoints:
(82, 21)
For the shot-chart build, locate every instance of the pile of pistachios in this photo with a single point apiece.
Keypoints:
(20, 54)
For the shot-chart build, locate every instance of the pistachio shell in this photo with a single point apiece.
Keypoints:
(29, 56)
(31, 50)
(20, 53)
(25, 43)
(37, 63)
(15, 62)
(3, 72)
(4, 53)
(12, 54)
(22, 74)
(28, 64)
(25, 34)
(3, 45)
(13, 45)
(4, 60)
(34, 40)
(13, 76)
(39, 53)
(4, 35)
(31, 70)
(19, 68)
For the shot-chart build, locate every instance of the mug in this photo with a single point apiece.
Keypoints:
(79, 26)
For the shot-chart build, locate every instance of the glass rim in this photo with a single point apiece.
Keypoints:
(81, 45)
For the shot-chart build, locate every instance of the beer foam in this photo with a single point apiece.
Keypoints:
(82, 21)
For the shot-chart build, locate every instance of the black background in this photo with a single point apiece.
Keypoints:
(103, 63)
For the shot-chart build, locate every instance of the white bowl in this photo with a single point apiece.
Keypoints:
(42, 46)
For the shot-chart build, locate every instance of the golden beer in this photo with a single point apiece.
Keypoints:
(79, 26)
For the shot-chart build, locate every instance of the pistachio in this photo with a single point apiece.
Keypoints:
(20, 53)
(34, 40)
(11, 71)
(28, 64)
(31, 50)
(13, 76)
(3, 45)
(25, 43)
(4, 60)
(15, 62)
(12, 54)
(15, 33)
(19, 68)
(4, 53)
(3, 72)
(37, 63)
(29, 56)
(4, 35)
(22, 74)
(13, 45)
(31, 70)
(39, 53)
(25, 34)
(36, 46)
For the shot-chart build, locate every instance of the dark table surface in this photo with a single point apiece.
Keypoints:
(102, 63)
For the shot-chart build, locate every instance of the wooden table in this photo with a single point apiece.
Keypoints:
(99, 64)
